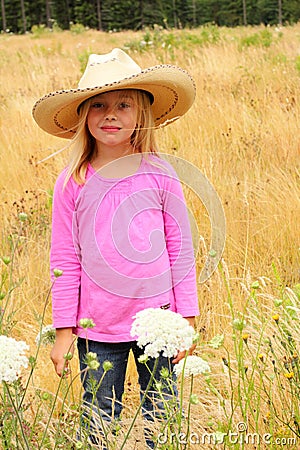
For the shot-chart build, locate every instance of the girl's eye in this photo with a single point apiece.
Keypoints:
(98, 105)
(124, 105)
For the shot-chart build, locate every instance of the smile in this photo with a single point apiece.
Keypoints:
(110, 129)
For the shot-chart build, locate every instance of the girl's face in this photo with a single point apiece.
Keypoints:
(112, 119)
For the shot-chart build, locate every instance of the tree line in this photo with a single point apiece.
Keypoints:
(18, 16)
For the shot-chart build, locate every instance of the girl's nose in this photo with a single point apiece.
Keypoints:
(110, 114)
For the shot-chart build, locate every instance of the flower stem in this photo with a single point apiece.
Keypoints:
(17, 415)
(189, 410)
(181, 393)
(38, 346)
(141, 404)
(51, 414)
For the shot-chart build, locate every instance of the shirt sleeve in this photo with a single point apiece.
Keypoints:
(63, 256)
(180, 247)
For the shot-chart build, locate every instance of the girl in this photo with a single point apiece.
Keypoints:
(120, 230)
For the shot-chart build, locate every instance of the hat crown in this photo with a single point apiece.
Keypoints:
(108, 68)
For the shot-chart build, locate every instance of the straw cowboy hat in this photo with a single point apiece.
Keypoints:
(172, 89)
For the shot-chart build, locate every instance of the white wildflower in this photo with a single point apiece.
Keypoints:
(87, 323)
(218, 437)
(91, 361)
(12, 358)
(217, 341)
(194, 400)
(107, 365)
(23, 216)
(192, 365)
(158, 330)
(143, 359)
(46, 335)
(57, 273)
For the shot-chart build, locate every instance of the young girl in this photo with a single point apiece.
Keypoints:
(120, 230)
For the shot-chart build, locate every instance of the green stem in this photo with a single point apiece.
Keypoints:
(63, 404)
(51, 414)
(39, 344)
(17, 415)
(11, 269)
(181, 393)
(141, 404)
(189, 410)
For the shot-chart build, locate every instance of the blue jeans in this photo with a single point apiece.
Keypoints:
(107, 400)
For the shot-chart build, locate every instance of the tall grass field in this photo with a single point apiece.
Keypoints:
(243, 135)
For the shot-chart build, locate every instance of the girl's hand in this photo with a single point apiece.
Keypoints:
(181, 355)
(64, 345)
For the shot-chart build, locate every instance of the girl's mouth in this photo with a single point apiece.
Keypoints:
(111, 129)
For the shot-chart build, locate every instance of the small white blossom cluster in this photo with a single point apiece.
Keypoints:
(192, 365)
(159, 330)
(12, 358)
(46, 335)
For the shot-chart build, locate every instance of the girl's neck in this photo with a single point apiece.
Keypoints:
(126, 163)
(105, 156)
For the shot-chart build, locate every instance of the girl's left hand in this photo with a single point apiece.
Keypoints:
(181, 355)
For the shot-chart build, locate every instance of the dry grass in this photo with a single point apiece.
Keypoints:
(242, 133)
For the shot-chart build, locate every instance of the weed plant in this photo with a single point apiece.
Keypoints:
(33, 419)
(253, 383)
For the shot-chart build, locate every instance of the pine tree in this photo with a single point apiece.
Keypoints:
(20, 15)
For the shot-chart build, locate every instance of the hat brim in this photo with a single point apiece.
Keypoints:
(172, 88)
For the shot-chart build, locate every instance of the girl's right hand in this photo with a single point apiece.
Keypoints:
(64, 345)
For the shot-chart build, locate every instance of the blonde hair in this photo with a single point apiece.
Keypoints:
(84, 144)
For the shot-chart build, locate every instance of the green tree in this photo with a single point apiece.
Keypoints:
(13, 16)
(268, 11)
(3, 15)
(20, 15)
(291, 11)
(63, 12)
(85, 13)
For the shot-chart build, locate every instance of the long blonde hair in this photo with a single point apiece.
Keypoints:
(84, 144)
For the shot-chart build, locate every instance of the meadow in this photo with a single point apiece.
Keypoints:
(242, 133)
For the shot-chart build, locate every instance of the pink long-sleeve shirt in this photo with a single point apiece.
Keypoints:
(123, 245)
